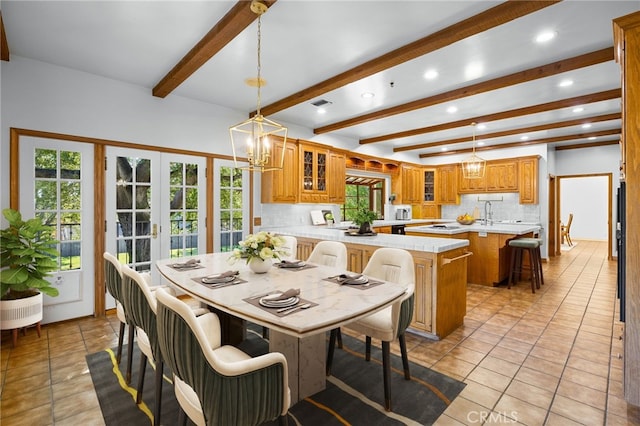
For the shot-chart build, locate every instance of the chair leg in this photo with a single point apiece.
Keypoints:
(132, 332)
(512, 267)
(538, 252)
(182, 416)
(265, 333)
(532, 270)
(120, 342)
(386, 374)
(332, 345)
(339, 336)
(367, 355)
(405, 358)
(156, 415)
(283, 420)
(141, 371)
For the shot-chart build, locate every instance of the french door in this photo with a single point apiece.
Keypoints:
(56, 184)
(232, 213)
(155, 207)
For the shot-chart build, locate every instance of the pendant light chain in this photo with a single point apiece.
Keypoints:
(259, 83)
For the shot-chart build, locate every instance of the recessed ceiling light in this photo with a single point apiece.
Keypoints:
(452, 109)
(444, 148)
(322, 111)
(586, 126)
(565, 83)
(578, 109)
(480, 143)
(592, 138)
(545, 36)
(481, 126)
(430, 74)
(367, 95)
(524, 138)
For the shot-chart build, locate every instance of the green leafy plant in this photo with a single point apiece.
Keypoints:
(27, 256)
(363, 216)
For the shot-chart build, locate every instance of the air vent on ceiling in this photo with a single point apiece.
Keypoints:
(321, 102)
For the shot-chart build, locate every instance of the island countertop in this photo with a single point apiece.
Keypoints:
(426, 244)
(496, 228)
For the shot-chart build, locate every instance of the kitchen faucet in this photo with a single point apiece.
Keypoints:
(488, 214)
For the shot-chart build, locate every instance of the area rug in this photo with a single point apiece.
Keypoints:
(354, 393)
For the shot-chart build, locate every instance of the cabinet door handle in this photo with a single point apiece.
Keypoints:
(446, 261)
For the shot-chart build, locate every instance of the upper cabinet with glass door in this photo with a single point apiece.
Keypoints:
(314, 173)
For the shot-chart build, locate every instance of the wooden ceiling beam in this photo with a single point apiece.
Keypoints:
(533, 109)
(547, 126)
(588, 145)
(600, 133)
(4, 45)
(491, 18)
(577, 62)
(233, 23)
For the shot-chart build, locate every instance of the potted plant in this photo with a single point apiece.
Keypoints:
(363, 218)
(27, 255)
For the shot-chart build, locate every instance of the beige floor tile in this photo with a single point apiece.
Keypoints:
(477, 345)
(480, 394)
(515, 345)
(537, 378)
(445, 420)
(501, 366)
(41, 416)
(91, 417)
(20, 404)
(543, 365)
(72, 386)
(464, 411)
(585, 365)
(586, 379)
(78, 368)
(468, 355)
(450, 364)
(36, 383)
(577, 411)
(75, 404)
(549, 354)
(33, 369)
(532, 394)
(508, 354)
(520, 410)
(586, 395)
(490, 378)
(554, 419)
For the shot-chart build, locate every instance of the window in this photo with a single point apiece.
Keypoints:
(363, 193)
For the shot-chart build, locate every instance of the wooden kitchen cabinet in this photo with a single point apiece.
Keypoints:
(337, 172)
(429, 182)
(502, 176)
(382, 229)
(305, 247)
(447, 185)
(411, 190)
(471, 186)
(429, 211)
(313, 176)
(528, 180)
(280, 186)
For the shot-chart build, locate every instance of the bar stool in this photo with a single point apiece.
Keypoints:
(518, 246)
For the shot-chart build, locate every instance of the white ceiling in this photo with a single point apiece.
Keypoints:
(307, 41)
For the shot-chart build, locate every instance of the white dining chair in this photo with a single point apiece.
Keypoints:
(394, 265)
(291, 246)
(329, 253)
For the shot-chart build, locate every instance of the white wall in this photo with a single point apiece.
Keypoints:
(586, 198)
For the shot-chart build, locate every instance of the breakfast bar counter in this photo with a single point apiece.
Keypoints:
(440, 270)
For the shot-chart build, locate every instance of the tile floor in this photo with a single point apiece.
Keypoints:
(544, 359)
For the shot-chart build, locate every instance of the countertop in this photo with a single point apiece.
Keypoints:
(407, 242)
(453, 228)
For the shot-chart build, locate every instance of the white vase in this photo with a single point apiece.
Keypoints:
(260, 266)
(21, 312)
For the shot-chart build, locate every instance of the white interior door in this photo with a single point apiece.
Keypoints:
(56, 184)
(231, 201)
(155, 207)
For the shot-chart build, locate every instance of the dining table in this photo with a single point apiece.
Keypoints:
(323, 302)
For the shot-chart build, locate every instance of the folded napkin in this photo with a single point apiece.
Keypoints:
(285, 295)
(225, 274)
(346, 277)
(188, 264)
(290, 263)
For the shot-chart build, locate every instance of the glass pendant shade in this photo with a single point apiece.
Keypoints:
(473, 167)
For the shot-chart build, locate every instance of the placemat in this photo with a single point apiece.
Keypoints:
(255, 301)
(370, 284)
(185, 267)
(219, 285)
(300, 268)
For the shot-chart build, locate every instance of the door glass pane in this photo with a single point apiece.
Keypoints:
(57, 198)
(133, 217)
(230, 207)
(183, 207)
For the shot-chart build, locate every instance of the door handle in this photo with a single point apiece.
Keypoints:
(154, 230)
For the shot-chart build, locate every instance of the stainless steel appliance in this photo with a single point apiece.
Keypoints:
(402, 212)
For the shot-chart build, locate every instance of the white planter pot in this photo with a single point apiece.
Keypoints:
(21, 312)
(260, 266)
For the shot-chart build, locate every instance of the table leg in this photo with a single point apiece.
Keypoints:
(306, 359)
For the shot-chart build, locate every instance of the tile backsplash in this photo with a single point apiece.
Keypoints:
(509, 208)
(293, 214)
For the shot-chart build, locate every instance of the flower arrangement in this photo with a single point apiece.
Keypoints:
(263, 245)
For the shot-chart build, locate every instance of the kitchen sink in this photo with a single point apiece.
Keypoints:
(444, 226)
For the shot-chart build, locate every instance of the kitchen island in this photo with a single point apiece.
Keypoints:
(440, 269)
(490, 264)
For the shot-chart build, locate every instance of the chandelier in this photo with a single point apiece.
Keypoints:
(473, 167)
(253, 135)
